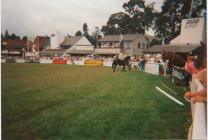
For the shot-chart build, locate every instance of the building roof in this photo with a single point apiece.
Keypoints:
(70, 40)
(107, 51)
(73, 51)
(52, 51)
(172, 48)
(126, 37)
(13, 43)
(150, 37)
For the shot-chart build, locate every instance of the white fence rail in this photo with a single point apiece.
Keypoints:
(198, 130)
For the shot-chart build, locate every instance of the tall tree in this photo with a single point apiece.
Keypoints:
(168, 21)
(96, 36)
(141, 16)
(197, 7)
(117, 24)
(85, 29)
(78, 33)
(13, 36)
(138, 18)
(6, 35)
(25, 38)
(86, 34)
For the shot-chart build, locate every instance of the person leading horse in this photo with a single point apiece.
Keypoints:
(122, 60)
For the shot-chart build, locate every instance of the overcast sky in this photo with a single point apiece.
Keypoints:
(41, 17)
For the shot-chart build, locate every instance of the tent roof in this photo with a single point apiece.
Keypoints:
(126, 37)
(52, 51)
(172, 48)
(73, 51)
(71, 40)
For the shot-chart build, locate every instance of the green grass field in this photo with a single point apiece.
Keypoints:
(45, 101)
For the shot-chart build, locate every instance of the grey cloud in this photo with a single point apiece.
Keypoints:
(40, 17)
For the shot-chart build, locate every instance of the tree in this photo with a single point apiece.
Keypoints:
(6, 35)
(96, 36)
(137, 19)
(25, 38)
(86, 34)
(85, 29)
(168, 21)
(141, 16)
(2, 36)
(155, 42)
(13, 36)
(117, 24)
(197, 7)
(78, 33)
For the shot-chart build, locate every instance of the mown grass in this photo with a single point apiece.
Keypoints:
(43, 101)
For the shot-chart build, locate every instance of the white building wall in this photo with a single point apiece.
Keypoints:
(56, 39)
(192, 32)
(83, 44)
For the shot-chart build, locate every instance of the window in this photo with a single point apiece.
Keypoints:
(139, 45)
(143, 46)
(127, 43)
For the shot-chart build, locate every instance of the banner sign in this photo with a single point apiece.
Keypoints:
(179, 76)
(192, 23)
(20, 60)
(107, 63)
(178, 73)
(45, 61)
(110, 51)
(134, 63)
(151, 67)
(93, 62)
(59, 61)
(79, 62)
(69, 62)
(3, 60)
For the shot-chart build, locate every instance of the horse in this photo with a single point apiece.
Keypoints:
(124, 63)
(174, 59)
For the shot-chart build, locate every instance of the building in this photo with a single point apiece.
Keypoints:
(134, 44)
(77, 45)
(193, 33)
(13, 47)
(51, 52)
(40, 43)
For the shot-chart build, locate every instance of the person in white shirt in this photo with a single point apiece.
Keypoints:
(122, 55)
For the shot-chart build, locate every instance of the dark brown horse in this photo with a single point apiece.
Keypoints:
(124, 63)
(174, 59)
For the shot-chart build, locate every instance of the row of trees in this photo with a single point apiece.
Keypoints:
(139, 17)
(12, 36)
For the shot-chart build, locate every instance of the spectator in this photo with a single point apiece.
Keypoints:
(142, 63)
(189, 66)
(190, 70)
(202, 77)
